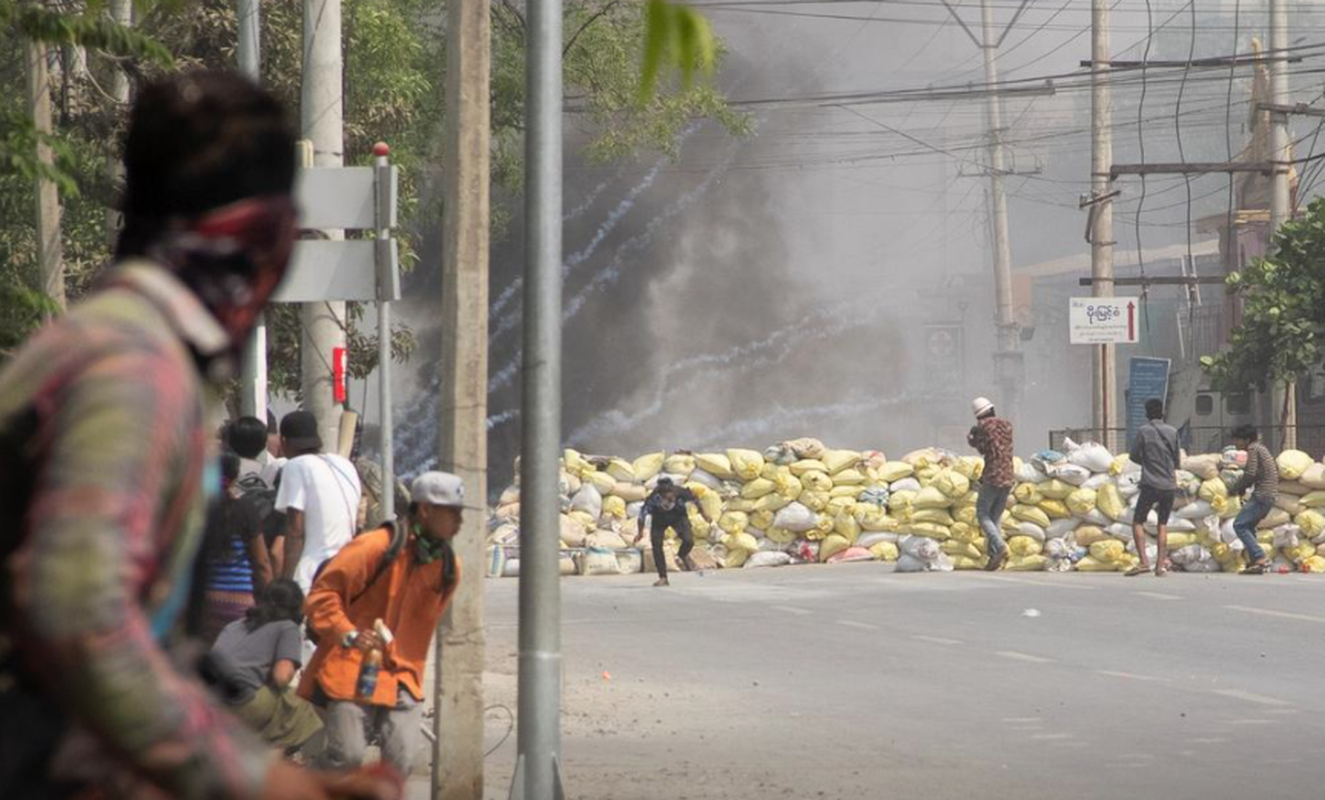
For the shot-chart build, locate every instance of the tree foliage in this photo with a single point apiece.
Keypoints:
(1283, 320)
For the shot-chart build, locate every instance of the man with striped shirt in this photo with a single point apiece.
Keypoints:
(1262, 477)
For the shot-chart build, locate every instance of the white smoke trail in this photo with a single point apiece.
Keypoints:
(496, 420)
(587, 203)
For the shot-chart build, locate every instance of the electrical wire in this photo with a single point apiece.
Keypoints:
(1182, 155)
(1230, 244)
(1141, 142)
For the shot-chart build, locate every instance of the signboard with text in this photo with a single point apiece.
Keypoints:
(1103, 320)
(1147, 378)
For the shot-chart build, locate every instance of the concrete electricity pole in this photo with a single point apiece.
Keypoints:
(50, 251)
(253, 378)
(321, 114)
(1280, 206)
(1009, 370)
(1104, 416)
(463, 440)
(121, 13)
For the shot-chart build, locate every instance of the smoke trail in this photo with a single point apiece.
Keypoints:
(609, 274)
(748, 430)
(588, 201)
(501, 419)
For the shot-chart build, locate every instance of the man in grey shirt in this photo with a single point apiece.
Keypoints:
(1156, 451)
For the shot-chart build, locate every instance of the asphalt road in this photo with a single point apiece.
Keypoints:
(850, 681)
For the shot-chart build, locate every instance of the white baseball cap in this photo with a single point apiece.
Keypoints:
(981, 406)
(438, 489)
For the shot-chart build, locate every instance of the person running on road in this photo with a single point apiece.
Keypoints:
(1262, 477)
(992, 436)
(666, 508)
(1157, 452)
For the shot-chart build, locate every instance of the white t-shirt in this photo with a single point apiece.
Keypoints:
(326, 488)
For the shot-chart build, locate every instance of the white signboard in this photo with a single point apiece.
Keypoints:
(1103, 320)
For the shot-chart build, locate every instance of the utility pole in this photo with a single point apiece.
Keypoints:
(121, 13)
(537, 767)
(1009, 368)
(1104, 417)
(321, 118)
(50, 251)
(463, 432)
(1280, 207)
(253, 378)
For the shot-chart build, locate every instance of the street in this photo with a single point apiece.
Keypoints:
(850, 681)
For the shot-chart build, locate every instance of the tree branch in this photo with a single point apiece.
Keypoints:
(591, 20)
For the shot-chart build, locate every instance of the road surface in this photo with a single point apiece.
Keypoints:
(850, 681)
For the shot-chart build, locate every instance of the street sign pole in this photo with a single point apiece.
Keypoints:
(388, 289)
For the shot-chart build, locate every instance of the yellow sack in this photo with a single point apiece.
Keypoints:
(741, 541)
(823, 525)
(700, 527)
(1031, 514)
(893, 471)
(715, 464)
(967, 533)
(1081, 502)
(1031, 563)
(1292, 464)
(965, 513)
(964, 563)
(807, 464)
(839, 504)
(1179, 540)
(736, 559)
(757, 488)
(816, 481)
(1211, 489)
(1315, 564)
(734, 521)
(902, 502)
(1314, 500)
(1027, 494)
(929, 530)
(601, 481)
(938, 516)
(614, 507)
(745, 464)
(1025, 546)
(711, 504)
(1289, 503)
(838, 460)
(1300, 554)
(772, 502)
(573, 462)
(887, 551)
(1120, 464)
(846, 526)
(1108, 550)
(971, 467)
(848, 491)
(831, 546)
(1314, 477)
(848, 477)
(1092, 564)
(1227, 507)
(763, 520)
(952, 483)
(740, 504)
(788, 485)
(621, 469)
(630, 492)
(1311, 522)
(923, 458)
(931, 497)
(926, 475)
(1295, 488)
(960, 549)
(1054, 509)
(646, 467)
(1110, 503)
(679, 464)
(813, 500)
(1087, 535)
(781, 535)
(1274, 519)
(1055, 489)
(872, 518)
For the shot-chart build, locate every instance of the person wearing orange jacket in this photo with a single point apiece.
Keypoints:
(404, 575)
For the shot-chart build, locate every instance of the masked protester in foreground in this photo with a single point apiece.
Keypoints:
(104, 456)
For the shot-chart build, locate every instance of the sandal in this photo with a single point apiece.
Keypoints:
(661, 582)
(1258, 568)
(1161, 571)
(1139, 569)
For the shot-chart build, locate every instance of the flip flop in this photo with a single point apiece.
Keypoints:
(1139, 569)
(1160, 572)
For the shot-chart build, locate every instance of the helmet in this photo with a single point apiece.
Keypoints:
(981, 406)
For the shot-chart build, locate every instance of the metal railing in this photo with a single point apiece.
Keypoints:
(1198, 438)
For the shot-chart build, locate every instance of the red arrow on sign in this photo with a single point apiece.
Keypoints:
(1131, 321)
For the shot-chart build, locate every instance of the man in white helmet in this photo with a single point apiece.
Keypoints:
(992, 436)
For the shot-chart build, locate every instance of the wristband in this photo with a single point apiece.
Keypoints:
(348, 639)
